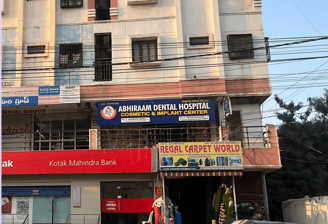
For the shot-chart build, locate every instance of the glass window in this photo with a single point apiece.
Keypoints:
(147, 53)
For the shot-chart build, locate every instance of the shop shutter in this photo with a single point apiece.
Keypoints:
(249, 188)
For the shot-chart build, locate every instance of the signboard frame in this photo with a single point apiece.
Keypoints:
(188, 156)
(227, 107)
(165, 111)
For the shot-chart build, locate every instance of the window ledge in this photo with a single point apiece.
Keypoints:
(146, 64)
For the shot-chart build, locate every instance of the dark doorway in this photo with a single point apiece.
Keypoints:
(235, 127)
(190, 195)
(102, 9)
(194, 197)
(103, 57)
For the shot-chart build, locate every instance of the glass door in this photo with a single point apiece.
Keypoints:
(42, 209)
(61, 208)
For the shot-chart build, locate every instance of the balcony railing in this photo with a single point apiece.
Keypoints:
(14, 218)
(249, 136)
(83, 219)
(45, 140)
(130, 137)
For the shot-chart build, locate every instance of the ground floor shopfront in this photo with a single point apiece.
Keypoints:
(198, 196)
(89, 186)
(86, 198)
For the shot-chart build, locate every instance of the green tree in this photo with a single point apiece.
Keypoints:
(303, 141)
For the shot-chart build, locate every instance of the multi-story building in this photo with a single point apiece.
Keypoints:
(92, 89)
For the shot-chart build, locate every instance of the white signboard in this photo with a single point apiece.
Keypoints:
(69, 94)
(76, 197)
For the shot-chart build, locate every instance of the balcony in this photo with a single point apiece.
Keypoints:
(259, 144)
(130, 137)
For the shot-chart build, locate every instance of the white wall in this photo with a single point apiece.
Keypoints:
(241, 17)
(172, 21)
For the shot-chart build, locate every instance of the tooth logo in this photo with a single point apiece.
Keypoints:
(108, 113)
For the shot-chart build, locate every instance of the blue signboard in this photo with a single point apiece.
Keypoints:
(19, 101)
(227, 107)
(156, 112)
(49, 90)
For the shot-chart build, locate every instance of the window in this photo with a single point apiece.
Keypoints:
(102, 9)
(62, 134)
(240, 46)
(36, 50)
(199, 41)
(141, 2)
(103, 56)
(144, 50)
(70, 55)
(71, 3)
(41, 49)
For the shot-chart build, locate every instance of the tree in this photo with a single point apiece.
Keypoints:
(303, 141)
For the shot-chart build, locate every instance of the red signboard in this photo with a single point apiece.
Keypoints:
(126, 205)
(77, 161)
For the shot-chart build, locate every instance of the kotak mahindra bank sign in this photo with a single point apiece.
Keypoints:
(84, 161)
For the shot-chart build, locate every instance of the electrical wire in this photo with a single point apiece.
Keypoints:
(300, 161)
(303, 144)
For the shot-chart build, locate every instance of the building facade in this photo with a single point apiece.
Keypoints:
(91, 89)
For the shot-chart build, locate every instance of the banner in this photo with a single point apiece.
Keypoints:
(156, 111)
(200, 156)
(42, 95)
(77, 161)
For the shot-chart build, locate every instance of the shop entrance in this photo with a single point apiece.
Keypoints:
(194, 196)
(51, 209)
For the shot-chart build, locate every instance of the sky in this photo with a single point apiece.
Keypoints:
(295, 18)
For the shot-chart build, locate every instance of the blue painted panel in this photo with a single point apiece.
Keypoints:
(3, 35)
(9, 60)
(22, 191)
(75, 76)
(87, 32)
(70, 34)
(88, 54)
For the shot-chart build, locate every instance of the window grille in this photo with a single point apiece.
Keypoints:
(71, 3)
(103, 71)
(70, 55)
(144, 50)
(240, 46)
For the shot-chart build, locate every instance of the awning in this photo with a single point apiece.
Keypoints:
(175, 174)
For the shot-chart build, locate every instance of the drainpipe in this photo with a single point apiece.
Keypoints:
(164, 199)
(234, 195)
(265, 195)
